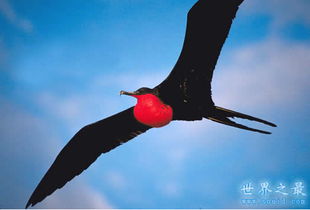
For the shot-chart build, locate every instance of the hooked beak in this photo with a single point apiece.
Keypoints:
(127, 93)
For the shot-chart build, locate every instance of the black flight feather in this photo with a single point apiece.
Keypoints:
(84, 148)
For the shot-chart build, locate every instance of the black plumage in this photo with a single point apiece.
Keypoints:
(84, 148)
(187, 90)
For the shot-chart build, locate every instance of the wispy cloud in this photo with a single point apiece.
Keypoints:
(7, 10)
(97, 99)
(266, 74)
(76, 195)
(283, 12)
(29, 144)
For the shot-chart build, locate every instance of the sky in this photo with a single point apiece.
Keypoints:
(63, 63)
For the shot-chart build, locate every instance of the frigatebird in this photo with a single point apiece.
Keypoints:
(184, 95)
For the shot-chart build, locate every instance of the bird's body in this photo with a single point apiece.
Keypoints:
(184, 95)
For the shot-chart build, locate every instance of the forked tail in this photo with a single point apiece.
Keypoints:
(222, 115)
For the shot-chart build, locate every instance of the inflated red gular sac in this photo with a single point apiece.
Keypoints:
(150, 110)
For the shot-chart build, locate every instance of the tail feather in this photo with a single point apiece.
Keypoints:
(221, 115)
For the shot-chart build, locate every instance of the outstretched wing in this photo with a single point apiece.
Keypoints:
(84, 148)
(208, 24)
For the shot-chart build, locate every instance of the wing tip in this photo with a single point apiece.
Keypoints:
(29, 204)
(33, 200)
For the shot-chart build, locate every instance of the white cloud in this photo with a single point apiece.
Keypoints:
(266, 74)
(11, 15)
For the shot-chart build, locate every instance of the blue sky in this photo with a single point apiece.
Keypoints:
(63, 63)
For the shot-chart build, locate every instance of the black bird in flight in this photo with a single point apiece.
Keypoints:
(184, 95)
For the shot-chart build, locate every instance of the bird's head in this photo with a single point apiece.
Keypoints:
(145, 96)
(140, 92)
